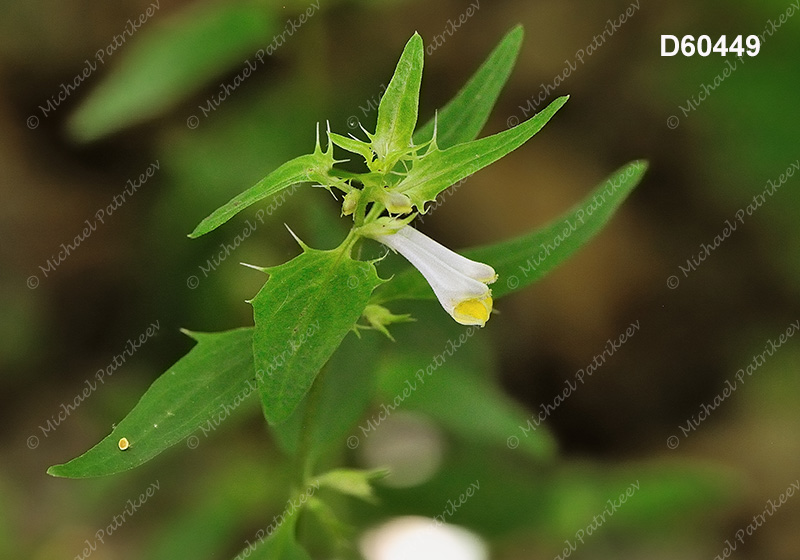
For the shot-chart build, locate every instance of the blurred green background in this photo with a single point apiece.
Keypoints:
(141, 107)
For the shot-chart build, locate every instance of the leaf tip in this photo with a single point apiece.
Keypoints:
(63, 470)
(416, 43)
(517, 32)
(199, 230)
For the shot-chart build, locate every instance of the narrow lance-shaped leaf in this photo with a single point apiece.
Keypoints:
(462, 119)
(397, 112)
(438, 169)
(168, 60)
(308, 168)
(302, 314)
(213, 375)
(526, 259)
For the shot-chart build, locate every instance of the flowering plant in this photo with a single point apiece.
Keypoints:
(309, 305)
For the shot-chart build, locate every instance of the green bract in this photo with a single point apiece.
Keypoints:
(312, 167)
(302, 314)
(397, 112)
(310, 394)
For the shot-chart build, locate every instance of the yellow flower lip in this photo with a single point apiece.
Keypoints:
(460, 284)
(473, 311)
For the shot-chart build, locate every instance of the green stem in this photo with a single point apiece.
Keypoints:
(374, 212)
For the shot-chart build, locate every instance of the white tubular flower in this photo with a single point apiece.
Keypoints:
(459, 283)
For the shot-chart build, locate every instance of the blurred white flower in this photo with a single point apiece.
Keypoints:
(419, 538)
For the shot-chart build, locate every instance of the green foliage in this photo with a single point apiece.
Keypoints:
(526, 259)
(281, 543)
(314, 381)
(308, 168)
(345, 388)
(552, 504)
(171, 62)
(460, 398)
(462, 119)
(353, 482)
(397, 112)
(214, 376)
(302, 314)
(439, 169)
(212, 518)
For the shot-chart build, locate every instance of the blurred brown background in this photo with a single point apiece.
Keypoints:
(136, 268)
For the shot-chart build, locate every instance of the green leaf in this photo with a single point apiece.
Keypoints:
(438, 169)
(671, 498)
(209, 521)
(346, 387)
(206, 383)
(352, 145)
(302, 314)
(277, 541)
(397, 112)
(462, 119)
(168, 60)
(526, 259)
(353, 482)
(307, 168)
(335, 529)
(453, 388)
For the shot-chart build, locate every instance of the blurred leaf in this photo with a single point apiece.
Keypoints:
(397, 112)
(462, 119)
(280, 544)
(307, 168)
(352, 482)
(168, 61)
(459, 395)
(201, 386)
(667, 493)
(521, 258)
(347, 384)
(526, 259)
(439, 169)
(302, 314)
(210, 520)
(550, 505)
(331, 525)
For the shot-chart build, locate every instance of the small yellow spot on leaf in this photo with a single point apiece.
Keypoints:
(123, 444)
